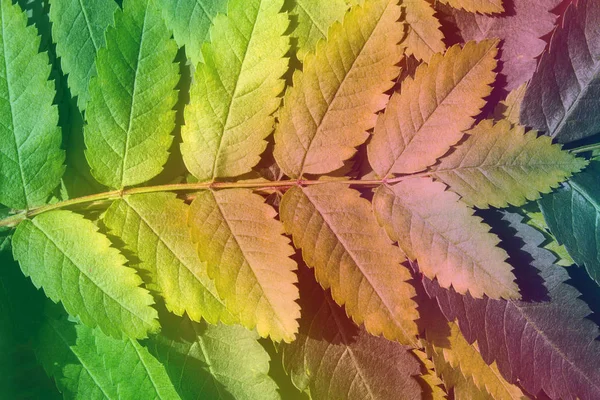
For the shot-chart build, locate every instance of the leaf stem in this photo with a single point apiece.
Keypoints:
(19, 216)
(584, 149)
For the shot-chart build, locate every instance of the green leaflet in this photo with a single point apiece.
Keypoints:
(573, 214)
(155, 227)
(88, 365)
(216, 362)
(31, 161)
(78, 29)
(236, 90)
(190, 21)
(500, 164)
(130, 112)
(314, 19)
(64, 254)
(334, 100)
(248, 257)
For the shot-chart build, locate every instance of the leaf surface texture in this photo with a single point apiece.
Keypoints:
(333, 101)
(236, 90)
(247, 255)
(130, 113)
(64, 254)
(31, 161)
(350, 254)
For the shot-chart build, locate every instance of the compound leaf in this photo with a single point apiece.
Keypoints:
(31, 161)
(130, 113)
(451, 244)
(154, 226)
(572, 213)
(541, 332)
(64, 254)
(89, 365)
(440, 102)
(78, 29)
(248, 257)
(333, 358)
(190, 21)
(236, 90)
(564, 93)
(501, 164)
(217, 362)
(341, 240)
(333, 101)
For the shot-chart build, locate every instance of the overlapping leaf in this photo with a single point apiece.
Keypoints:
(535, 218)
(216, 362)
(501, 164)
(64, 254)
(451, 244)
(248, 257)
(424, 37)
(154, 226)
(89, 365)
(314, 19)
(78, 29)
(521, 31)
(190, 21)
(333, 358)
(236, 90)
(572, 213)
(333, 101)
(563, 95)
(462, 368)
(341, 240)
(440, 102)
(533, 342)
(510, 108)
(31, 161)
(130, 112)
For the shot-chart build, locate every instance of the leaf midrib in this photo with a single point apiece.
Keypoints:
(98, 287)
(133, 97)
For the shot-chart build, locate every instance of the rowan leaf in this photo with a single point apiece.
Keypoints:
(501, 164)
(130, 112)
(315, 17)
(333, 358)
(521, 31)
(248, 257)
(154, 226)
(332, 103)
(563, 94)
(78, 29)
(64, 254)
(572, 213)
(535, 218)
(424, 37)
(510, 108)
(31, 161)
(440, 102)
(429, 379)
(89, 365)
(545, 343)
(341, 240)
(477, 6)
(190, 21)
(217, 362)
(462, 367)
(433, 227)
(236, 90)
